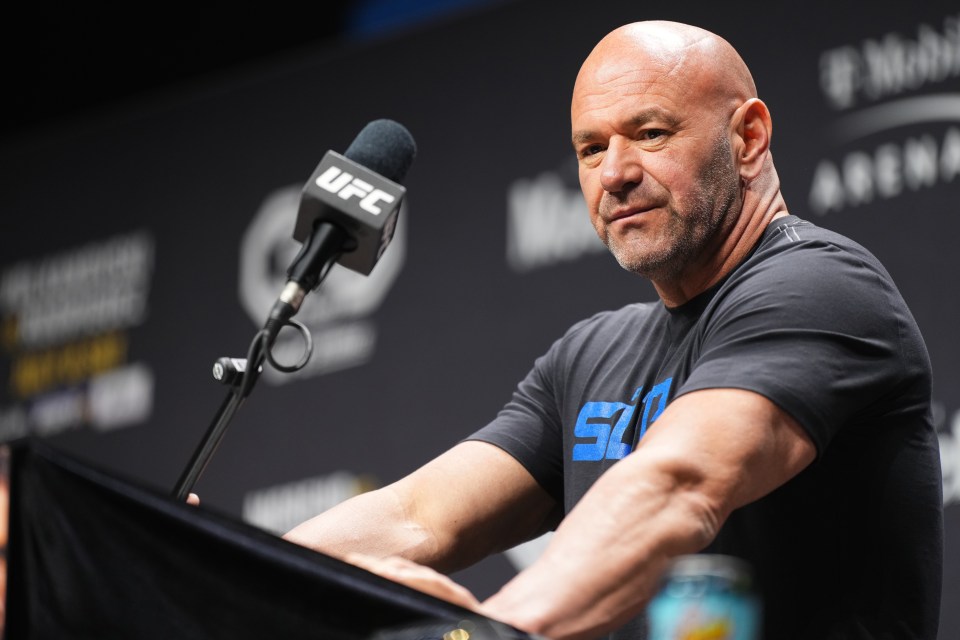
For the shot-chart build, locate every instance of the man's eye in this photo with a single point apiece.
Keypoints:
(653, 134)
(590, 150)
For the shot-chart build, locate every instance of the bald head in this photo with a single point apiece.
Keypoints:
(696, 59)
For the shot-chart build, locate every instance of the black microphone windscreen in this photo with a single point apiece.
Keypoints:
(385, 147)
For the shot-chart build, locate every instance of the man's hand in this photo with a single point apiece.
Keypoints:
(416, 576)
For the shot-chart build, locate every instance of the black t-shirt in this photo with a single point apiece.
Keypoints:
(852, 546)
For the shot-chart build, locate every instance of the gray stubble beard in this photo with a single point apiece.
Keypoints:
(691, 233)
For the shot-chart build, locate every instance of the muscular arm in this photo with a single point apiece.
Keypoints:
(471, 501)
(710, 452)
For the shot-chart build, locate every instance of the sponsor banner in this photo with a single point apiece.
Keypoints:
(897, 125)
(281, 507)
(949, 427)
(547, 221)
(66, 331)
(339, 314)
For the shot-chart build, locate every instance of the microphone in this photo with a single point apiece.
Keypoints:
(348, 212)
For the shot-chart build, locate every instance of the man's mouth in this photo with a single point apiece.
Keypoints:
(622, 213)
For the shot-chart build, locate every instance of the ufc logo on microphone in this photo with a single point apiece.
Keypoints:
(346, 186)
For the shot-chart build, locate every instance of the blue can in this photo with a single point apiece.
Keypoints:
(705, 597)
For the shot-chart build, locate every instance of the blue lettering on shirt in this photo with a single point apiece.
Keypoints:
(603, 424)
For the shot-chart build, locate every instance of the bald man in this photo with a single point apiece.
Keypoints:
(773, 405)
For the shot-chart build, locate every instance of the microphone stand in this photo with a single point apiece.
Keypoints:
(309, 268)
(240, 387)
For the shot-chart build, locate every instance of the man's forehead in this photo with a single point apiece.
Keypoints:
(628, 89)
(633, 71)
(624, 59)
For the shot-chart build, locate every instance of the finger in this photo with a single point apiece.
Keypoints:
(416, 576)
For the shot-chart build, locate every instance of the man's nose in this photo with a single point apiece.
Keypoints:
(621, 166)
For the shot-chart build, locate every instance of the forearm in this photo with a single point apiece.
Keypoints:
(606, 558)
(709, 453)
(376, 524)
(469, 502)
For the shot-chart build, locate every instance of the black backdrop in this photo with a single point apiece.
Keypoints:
(142, 243)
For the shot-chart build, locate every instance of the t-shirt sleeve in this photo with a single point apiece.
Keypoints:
(528, 429)
(529, 425)
(824, 338)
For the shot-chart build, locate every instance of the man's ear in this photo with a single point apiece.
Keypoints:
(753, 125)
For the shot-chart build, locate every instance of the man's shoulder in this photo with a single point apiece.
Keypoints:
(808, 276)
(794, 251)
(798, 237)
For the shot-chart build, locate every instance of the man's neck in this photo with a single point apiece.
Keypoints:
(733, 245)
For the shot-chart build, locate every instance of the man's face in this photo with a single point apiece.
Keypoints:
(656, 167)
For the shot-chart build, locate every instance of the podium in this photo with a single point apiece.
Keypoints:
(92, 555)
